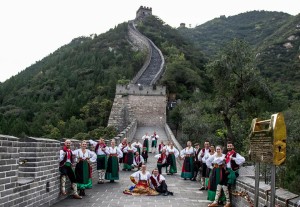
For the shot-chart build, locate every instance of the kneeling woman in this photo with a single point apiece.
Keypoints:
(83, 170)
(141, 179)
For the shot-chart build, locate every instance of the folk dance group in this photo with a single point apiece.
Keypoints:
(218, 170)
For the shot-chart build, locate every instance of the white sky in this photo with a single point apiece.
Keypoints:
(32, 29)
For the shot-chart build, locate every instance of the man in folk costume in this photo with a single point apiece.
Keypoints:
(161, 146)
(138, 146)
(121, 146)
(188, 155)
(138, 161)
(129, 154)
(197, 162)
(145, 154)
(154, 139)
(162, 160)
(100, 150)
(146, 139)
(203, 156)
(158, 182)
(65, 168)
(233, 161)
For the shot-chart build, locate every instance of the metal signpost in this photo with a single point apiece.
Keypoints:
(268, 145)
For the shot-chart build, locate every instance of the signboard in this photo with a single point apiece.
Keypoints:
(268, 140)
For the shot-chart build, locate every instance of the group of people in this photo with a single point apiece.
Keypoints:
(218, 170)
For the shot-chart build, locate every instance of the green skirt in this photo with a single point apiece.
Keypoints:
(188, 167)
(83, 175)
(112, 171)
(214, 180)
(172, 162)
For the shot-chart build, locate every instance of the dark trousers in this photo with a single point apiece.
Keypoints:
(68, 171)
(161, 166)
(163, 188)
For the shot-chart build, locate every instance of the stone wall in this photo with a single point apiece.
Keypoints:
(146, 105)
(142, 43)
(29, 174)
(246, 184)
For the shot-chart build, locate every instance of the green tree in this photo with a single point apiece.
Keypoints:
(237, 83)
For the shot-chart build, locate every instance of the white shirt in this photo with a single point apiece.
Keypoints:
(140, 176)
(141, 160)
(99, 151)
(137, 144)
(173, 150)
(214, 159)
(203, 156)
(164, 160)
(187, 151)
(62, 156)
(239, 160)
(88, 154)
(115, 150)
(126, 149)
(161, 178)
(154, 137)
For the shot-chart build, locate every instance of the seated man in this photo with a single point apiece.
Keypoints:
(158, 182)
(138, 161)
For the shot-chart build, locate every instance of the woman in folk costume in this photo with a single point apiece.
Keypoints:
(66, 159)
(121, 146)
(216, 162)
(209, 168)
(233, 161)
(154, 139)
(114, 153)
(138, 146)
(172, 154)
(128, 159)
(100, 150)
(146, 139)
(141, 179)
(188, 154)
(83, 169)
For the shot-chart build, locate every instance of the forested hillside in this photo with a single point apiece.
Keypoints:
(71, 90)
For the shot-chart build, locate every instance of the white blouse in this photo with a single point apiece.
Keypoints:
(114, 150)
(126, 149)
(187, 151)
(173, 150)
(88, 154)
(140, 176)
(214, 159)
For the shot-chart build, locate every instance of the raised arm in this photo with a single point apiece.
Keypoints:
(239, 160)
(92, 142)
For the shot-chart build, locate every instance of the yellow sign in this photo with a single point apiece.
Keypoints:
(279, 138)
(268, 140)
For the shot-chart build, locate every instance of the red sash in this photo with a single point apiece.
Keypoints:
(153, 180)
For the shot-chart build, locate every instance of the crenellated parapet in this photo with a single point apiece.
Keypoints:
(141, 90)
(143, 12)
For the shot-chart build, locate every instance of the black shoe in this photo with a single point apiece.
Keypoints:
(202, 188)
(111, 181)
(194, 179)
(171, 193)
(166, 194)
(184, 178)
(83, 192)
(80, 193)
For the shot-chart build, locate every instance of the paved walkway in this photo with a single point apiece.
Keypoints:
(186, 192)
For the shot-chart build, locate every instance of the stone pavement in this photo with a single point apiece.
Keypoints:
(186, 192)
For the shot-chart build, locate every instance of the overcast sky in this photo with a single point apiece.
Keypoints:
(32, 29)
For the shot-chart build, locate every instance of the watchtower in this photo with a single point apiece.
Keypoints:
(143, 12)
